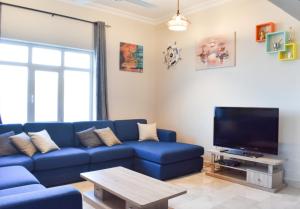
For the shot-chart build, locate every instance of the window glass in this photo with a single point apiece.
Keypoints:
(13, 94)
(46, 96)
(13, 53)
(35, 79)
(77, 96)
(77, 60)
(44, 56)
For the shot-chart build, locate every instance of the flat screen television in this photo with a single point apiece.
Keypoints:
(249, 129)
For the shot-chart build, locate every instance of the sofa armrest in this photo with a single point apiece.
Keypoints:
(166, 135)
(65, 197)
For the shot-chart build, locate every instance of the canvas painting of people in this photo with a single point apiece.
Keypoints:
(215, 52)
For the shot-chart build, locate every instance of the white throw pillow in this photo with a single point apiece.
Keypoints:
(147, 132)
(24, 144)
(107, 136)
(43, 141)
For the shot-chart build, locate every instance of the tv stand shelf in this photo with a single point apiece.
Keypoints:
(265, 173)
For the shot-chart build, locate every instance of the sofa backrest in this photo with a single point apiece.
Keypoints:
(61, 133)
(127, 130)
(80, 126)
(64, 134)
(17, 128)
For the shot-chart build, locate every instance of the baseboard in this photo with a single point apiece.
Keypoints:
(292, 183)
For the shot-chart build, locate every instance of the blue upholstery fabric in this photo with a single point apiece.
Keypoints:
(21, 189)
(165, 152)
(126, 163)
(17, 128)
(80, 126)
(14, 176)
(61, 133)
(166, 135)
(165, 159)
(64, 197)
(18, 159)
(172, 170)
(127, 130)
(66, 157)
(61, 176)
(105, 153)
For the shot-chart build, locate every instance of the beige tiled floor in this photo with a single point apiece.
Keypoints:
(206, 192)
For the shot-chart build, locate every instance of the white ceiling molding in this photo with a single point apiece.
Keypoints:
(112, 11)
(203, 5)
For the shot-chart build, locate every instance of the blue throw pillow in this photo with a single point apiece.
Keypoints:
(6, 147)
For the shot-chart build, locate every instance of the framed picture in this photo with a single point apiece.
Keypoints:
(131, 57)
(216, 52)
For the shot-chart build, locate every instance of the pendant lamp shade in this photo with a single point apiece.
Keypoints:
(178, 22)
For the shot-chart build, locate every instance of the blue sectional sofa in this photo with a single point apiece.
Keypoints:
(19, 189)
(162, 160)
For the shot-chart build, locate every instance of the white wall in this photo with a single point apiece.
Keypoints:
(186, 98)
(130, 95)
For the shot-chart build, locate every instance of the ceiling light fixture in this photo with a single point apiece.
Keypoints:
(178, 21)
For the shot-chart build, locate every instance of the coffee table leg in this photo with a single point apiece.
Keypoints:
(129, 206)
(101, 193)
(163, 204)
(159, 205)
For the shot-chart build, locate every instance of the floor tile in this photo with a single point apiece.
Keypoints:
(205, 192)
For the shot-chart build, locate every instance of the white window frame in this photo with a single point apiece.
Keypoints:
(32, 68)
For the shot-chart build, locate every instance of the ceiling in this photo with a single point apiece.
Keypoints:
(159, 12)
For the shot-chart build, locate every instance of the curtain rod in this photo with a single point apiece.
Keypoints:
(49, 13)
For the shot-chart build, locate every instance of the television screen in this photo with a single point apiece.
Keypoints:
(250, 129)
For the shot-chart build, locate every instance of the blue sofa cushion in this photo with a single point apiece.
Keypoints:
(61, 133)
(104, 153)
(63, 197)
(80, 126)
(18, 159)
(66, 157)
(21, 189)
(165, 152)
(127, 130)
(14, 176)
(17, 128)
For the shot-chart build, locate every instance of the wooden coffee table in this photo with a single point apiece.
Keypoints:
(121, 188)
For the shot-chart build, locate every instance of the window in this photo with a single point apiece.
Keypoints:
(44, 56)
(76, 91)
(44, 83)
(13, 93)
(46, 96)
(13, 53)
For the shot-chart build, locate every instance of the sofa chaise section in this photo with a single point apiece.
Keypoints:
(166, 160)
(13, 176)
(163, 160)
(19, 189)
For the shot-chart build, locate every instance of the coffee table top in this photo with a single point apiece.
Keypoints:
(132, 186)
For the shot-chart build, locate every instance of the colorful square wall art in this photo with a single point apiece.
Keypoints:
(215, 52)
(131, 57)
